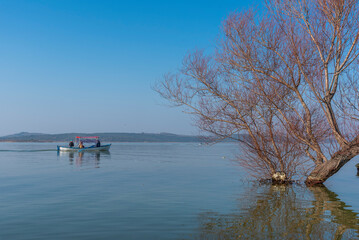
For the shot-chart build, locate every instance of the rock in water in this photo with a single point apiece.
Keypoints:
(279, 177)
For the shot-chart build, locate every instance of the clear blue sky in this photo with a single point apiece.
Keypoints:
(88, 66)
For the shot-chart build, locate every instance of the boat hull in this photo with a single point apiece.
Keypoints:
(86, 149)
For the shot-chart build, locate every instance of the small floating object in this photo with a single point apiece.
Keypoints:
(357, 166)
(80, 140)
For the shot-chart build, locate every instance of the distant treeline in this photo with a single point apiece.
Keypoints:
(106, 137)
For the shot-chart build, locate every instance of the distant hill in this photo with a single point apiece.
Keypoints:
(106, 137)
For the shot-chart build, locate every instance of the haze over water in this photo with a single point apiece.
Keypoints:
(162, 191)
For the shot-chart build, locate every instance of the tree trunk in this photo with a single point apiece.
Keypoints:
(325, 170)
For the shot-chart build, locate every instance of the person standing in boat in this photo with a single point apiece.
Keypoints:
(81, 145)
(98, 143)
(71, 144)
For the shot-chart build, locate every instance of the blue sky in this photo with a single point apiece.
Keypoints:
(88, 66)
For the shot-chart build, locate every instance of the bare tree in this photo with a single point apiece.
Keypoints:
(284, 79)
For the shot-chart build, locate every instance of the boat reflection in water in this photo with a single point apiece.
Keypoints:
(84, 159)
(283, 212)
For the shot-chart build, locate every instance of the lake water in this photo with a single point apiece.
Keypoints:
(163, 191)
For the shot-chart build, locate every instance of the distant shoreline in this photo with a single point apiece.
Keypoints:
(103, 141)
(105, 137)
(110, 137)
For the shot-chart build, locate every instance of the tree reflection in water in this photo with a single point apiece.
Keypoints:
(284, 212)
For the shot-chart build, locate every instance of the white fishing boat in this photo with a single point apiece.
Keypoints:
(79, 145)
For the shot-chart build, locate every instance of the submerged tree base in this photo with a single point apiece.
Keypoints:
(277, 182)
(278, 178)
(312, 183)
(327, 169)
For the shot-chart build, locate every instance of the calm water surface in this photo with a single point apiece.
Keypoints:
(162, 191)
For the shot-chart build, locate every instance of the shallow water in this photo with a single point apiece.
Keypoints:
(162, 191)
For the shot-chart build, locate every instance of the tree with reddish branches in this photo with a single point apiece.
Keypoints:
(287, 78)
